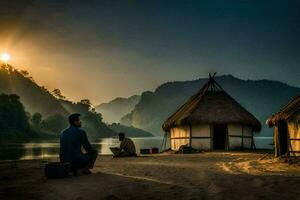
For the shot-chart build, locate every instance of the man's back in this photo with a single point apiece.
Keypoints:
(128, 146)
(71, 141)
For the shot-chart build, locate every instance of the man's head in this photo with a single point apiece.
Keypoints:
(121, 136)
(74, 120)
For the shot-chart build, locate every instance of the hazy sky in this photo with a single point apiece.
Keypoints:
(104, 49)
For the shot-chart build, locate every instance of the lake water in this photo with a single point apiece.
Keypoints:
(28, 151)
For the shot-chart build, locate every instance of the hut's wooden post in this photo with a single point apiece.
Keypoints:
(211, 137)
(168, 134)
(289, 145)
(227, 139)
(165, 140)
(276, 144)
(242, 136)
(190, 135)
(163, 144)
(252, 140)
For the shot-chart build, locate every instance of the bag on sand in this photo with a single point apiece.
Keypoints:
(57, 169)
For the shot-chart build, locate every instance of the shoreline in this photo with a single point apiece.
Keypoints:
(270, 152)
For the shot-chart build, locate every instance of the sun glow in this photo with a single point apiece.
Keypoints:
(5, 57)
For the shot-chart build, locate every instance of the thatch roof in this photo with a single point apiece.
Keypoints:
(211, 105)
(287, 112)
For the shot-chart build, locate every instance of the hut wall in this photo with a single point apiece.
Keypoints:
(276, 142)
(294, 134)
(179, 136)
(239, 136)
(247, 133)
(201, 136)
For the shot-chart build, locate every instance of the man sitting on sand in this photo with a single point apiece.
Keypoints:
(71, 141)
(126, 149)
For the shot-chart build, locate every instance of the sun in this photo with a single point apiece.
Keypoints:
(5, 57)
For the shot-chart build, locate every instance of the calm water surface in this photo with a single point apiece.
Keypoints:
(44, 150)
(28, 151)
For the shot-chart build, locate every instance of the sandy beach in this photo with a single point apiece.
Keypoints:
(213, 175)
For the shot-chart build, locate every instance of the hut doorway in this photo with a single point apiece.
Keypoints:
(282, 137)
(219, 136)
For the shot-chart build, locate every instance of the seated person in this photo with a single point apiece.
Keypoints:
(126, 149)
(71, 141)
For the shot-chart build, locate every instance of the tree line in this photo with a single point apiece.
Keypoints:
(16, 123)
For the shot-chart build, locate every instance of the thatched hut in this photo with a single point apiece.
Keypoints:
(286, 125)
(211, 119)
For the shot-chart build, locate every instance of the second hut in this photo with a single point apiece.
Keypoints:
(286, 124)
(211, 119)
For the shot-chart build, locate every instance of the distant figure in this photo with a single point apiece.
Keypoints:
(126, 149)
(71, 141)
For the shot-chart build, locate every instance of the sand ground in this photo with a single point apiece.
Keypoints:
(213, 175)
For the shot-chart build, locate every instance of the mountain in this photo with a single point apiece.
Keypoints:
(261, 97)
(117, 108)
(54, 112)
(34, 97)
(129, 131)
(48, 114)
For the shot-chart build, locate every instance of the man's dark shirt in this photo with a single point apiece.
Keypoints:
(71, 141)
